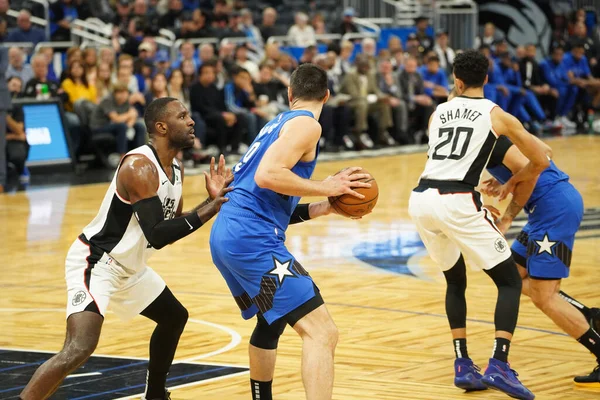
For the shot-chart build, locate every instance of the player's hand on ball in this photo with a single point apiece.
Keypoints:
(345, 181)
(491, 187)
(217, 179)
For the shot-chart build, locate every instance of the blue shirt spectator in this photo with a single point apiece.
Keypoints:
(24, 32)
(434, 78)
(554, 72)
(577, 63)
(62, 13)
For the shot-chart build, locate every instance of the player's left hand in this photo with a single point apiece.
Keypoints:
(506, 189)
(217, 179)
(491, 187)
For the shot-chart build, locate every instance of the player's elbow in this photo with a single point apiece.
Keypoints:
(542, 164)
(264, 178)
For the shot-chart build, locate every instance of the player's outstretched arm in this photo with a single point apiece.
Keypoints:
(137, 182)
(297, 142)
(505, 124)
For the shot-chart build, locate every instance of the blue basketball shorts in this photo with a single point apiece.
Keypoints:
(262, 275)
(545, 245)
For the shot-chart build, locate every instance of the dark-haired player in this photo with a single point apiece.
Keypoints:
(141, 213)
(247, 239)
(544, 248)
(453, 225)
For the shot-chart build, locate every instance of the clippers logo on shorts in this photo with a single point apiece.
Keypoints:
(79, 298)
(500, 245)
(169, 208)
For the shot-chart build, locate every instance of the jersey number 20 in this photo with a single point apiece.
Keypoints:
(459, 134)
(249, 153)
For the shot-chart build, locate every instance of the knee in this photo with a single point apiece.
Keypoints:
(540, 299)
(267, 336)
(179, 318)
(326, 334)
(77, 352)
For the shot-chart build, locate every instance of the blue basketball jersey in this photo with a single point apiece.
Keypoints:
(548, 178)
(247, 195)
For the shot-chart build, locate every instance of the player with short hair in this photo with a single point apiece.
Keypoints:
(454, 226)
(544, 247)
(247, 240)
(141, 213)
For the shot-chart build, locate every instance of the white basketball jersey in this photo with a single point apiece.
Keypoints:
(461, 140)
(116, 231)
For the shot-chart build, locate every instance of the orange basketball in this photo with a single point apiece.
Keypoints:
(350, 206)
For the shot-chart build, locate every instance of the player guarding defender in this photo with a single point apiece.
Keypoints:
(247, 239)
(544, 247)
(140, 213)
(453, 225)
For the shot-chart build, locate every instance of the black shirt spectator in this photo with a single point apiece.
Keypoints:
(347, 25)
(267, 27)
(6, 22)
(123, 15)
(426, 41)
(173, 14)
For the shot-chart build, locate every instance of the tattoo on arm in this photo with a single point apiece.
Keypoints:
(513, 209)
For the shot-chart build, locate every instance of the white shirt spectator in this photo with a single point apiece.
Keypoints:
(302, 34)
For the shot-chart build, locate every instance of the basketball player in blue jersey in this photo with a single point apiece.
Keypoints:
(544, 247)
(247, 239)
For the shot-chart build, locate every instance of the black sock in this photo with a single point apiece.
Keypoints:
(501, 348)
(591, 341)
(460, 348)
(261, 390)
(582, 308)
(170, 317)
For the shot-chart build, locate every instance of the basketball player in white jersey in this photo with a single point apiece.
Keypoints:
(453, 225)
(141, 213)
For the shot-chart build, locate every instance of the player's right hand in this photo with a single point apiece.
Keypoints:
(345, 181)
(220, 198)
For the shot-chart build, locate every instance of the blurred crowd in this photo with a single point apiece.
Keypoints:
(382, 94)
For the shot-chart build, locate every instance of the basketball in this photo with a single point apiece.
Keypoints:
(353, 207)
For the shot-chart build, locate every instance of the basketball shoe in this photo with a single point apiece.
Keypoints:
(467, 376)
(591, 380)
(500, 376)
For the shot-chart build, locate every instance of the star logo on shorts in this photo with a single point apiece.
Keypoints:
(545, 245)
(282, 269)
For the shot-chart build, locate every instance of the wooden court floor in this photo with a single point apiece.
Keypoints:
(394, 337)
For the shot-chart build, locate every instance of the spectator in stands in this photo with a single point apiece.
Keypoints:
(490, 35)
(343, 64)
(6, 22)
(48, 52)
(555, 74)
(39, 86)
(148, 14)
(347, 25)
(90, 58)
(241, 59)
(580, 74)
(500, 48)
(25, 32)
(17, 148)
(226, 54)
(301, 33)
(309, 54)
(560, 34)
(209, 101)
(125, 68)
(435, 80)
(272, 52)
(158, 88)
(107, 55)
(271, 90)
(17, 66)
(62, 13)
(240, 99)
(580, 36)
(163, 62)
(169, 19)
(578, 16)
(285, 66)
(395, 44)
(220, 16)
(143, 71)
(520, 53)
(73, 54)
(189, 73)
(425, 40)
(206, 53)
(104, 80)
(115, 115)
(186, 52)
(251, 30)
(367, 100)
(134, 35)
(414, 48)
(7, 88)
(495, 90)
(443, 50)
(123, 15)
(318, 24)
(188, 29)
(176, 88)
(390, 84)
(234, 26)
(268, 27)
(369, 48)
(420, 105)
(147, 51)
(76, 86)
(531, 77)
